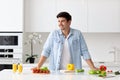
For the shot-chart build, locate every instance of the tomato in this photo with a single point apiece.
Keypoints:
(47, 71)
(41, 71)
(103, 68)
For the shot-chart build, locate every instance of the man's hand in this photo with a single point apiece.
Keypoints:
(91, 64)
(95, 68)
(40, 63)
(34, 68)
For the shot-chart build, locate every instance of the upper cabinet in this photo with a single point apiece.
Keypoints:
(87, 15)
(40, 15)
(78, 11)
(11, 15)
(103, 15)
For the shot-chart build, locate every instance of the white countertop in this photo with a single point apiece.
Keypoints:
(27, 74)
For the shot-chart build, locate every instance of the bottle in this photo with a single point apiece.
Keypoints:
(20, 68)
(14, 67)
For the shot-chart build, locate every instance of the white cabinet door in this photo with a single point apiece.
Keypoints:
(40, 15)
(103, 15)
(78, 11)
(11, 15)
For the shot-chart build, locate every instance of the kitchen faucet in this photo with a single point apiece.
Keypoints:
(114, 52)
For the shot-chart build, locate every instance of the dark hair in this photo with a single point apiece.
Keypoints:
(65, 15)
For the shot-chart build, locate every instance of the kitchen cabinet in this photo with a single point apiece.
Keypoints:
(11, 15)
(87, 15)
(78, 11)
(103, 15)
(93, 15)
(40, 15)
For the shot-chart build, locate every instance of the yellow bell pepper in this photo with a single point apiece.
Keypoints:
(70, 67)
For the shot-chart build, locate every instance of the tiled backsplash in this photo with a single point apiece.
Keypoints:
(103, 47)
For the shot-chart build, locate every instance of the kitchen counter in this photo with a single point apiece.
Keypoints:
(27, 74)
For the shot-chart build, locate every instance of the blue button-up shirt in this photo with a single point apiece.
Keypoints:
(54, 46)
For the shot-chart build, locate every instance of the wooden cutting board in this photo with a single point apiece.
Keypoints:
(67, 71)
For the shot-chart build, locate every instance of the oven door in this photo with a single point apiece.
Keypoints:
(10, 39)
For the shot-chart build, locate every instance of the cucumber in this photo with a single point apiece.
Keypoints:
(79, 70)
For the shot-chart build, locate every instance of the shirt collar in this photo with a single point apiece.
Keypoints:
(71, 32)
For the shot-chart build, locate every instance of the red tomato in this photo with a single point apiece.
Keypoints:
(47, 71)
(103, 68)
(40, 71)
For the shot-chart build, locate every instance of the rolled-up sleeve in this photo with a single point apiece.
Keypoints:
(47, 47)
(84, 49)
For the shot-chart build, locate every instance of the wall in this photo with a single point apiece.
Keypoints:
(100, 45)
(37, 48)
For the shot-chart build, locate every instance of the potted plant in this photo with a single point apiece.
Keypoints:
(31, 58)
(32, 38)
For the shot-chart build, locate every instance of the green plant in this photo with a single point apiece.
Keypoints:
(29, 57)
(32, 39)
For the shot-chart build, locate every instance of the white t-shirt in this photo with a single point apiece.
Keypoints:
(66, 58)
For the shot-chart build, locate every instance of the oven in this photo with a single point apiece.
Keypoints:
(10, 48)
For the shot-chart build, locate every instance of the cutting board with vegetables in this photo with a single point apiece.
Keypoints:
(43, 70)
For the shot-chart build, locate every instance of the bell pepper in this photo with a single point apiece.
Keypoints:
(70, 66)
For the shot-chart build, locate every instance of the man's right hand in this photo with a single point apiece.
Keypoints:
(40, 63)
(34, 68)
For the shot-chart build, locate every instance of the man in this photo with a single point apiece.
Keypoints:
(65, 46)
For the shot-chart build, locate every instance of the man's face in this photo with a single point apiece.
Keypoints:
(63, 23)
